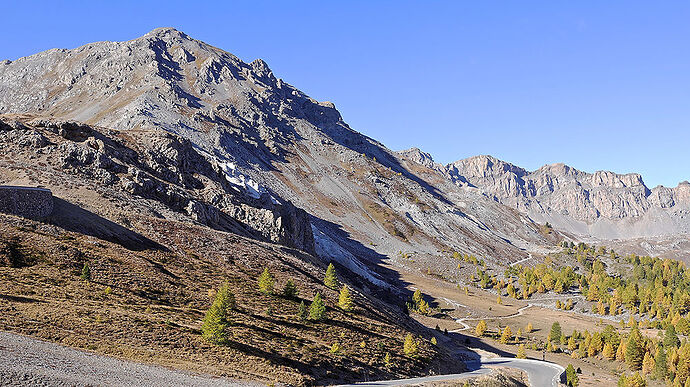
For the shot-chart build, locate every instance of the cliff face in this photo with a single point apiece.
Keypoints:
(601, 204)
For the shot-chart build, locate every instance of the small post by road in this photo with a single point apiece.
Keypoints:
(543, 355)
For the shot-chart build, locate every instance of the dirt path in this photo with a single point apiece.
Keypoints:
(25, 361)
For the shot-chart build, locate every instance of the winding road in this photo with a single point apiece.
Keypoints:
(539, 373)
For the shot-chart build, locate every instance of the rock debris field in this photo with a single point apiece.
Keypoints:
(29, 362)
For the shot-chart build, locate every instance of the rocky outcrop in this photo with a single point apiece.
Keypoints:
(158, 166)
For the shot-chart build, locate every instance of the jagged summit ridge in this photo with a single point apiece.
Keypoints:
(603, 203)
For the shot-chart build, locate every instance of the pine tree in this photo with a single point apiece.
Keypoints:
(216, 320)
(571, 377)
(481, 328)
(335, 348)
(410, 346)
(670, 337)
(86, 272)
(331, 280)
(647, 364)
(572, 344)
(290, 289)
(555, 333)
(506, 335)
(521, 352)
(634, 350)
(660, 366)
(266, 282)
(608, 352)
(317, 310)
(434, 341)
(345, 300)
(302, 313)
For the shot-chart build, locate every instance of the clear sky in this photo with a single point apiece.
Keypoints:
(596, 85)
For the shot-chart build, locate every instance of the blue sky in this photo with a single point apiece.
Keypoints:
(596, 85)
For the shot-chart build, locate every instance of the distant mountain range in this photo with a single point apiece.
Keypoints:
(602, 204)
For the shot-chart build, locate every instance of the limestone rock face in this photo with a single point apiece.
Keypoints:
(601, 204)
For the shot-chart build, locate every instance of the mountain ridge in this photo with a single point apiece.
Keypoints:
(572, 199)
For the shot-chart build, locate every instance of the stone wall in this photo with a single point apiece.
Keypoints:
(28, 202)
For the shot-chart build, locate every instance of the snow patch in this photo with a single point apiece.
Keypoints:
(244, 183)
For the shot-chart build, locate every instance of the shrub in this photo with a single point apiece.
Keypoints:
(302, 313)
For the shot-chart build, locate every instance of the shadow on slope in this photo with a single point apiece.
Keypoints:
(76, 219)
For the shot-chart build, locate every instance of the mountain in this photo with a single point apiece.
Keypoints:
(366, 203)
(603, 204)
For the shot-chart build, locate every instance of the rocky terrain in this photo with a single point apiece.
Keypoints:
(271, 141)
(603, 204)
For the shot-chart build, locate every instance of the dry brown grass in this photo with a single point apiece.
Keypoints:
(159, 297)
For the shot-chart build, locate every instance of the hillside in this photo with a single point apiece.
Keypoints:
(135, 219)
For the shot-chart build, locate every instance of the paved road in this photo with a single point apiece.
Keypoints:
(25, 361)
(540, 374)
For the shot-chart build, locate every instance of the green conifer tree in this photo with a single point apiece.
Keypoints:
(302, 313)
(290, 289)
(331, 279)
(345, 300)
(266, 282)
(317, 310)
(216, 320)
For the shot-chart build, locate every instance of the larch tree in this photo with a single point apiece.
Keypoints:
(317, 310)
(410, 346)
(331, 279)
(521, 352)
(506, 335)
(481, 328)
(344, 299)
(609, 353)
(213, 327)
(266, 282)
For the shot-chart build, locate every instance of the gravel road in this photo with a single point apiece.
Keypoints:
(30, 362)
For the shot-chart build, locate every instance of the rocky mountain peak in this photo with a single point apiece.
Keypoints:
(418, 156)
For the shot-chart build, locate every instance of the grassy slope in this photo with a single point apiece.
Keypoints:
(159, 297)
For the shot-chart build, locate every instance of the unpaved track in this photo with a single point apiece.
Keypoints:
(25, 361)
